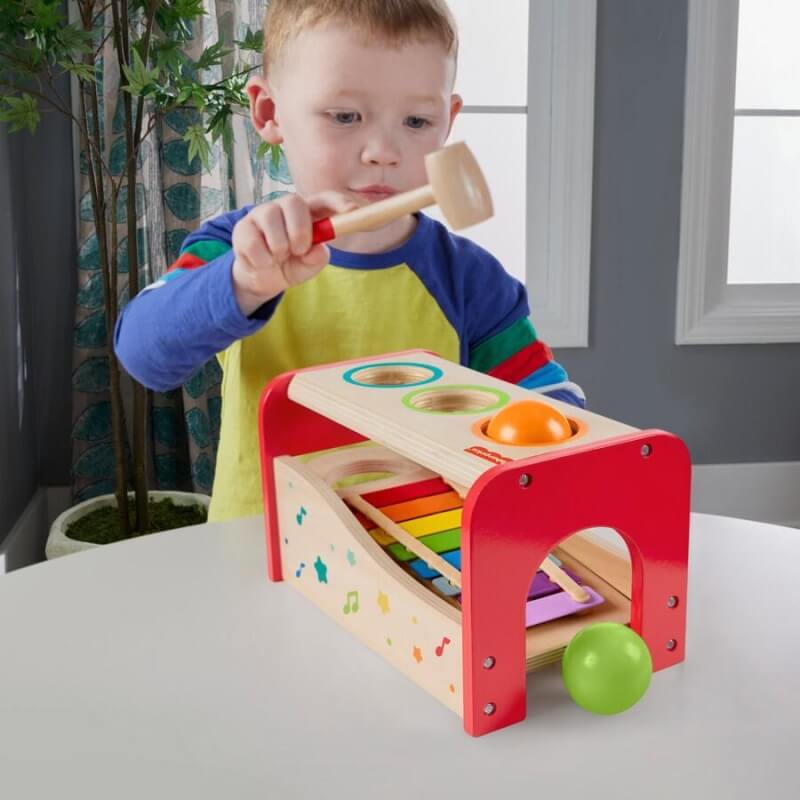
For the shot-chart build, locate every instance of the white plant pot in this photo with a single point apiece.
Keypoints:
(59, 544)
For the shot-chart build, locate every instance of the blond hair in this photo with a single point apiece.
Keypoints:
(397, 21)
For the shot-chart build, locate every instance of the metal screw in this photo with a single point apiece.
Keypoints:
(488, 709)
(671, 644)
(524, 480)
(488, 662)
(646, 450)
(672, 601)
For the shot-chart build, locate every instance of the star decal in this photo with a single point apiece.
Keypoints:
(417, 654)
(322, 570)
(351, 558)
(383, 602)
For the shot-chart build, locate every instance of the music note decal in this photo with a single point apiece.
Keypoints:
(351, 603)
(440, 648)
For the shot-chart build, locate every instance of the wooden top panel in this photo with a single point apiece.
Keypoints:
(431, 409)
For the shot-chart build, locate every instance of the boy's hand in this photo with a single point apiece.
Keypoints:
(272, 246)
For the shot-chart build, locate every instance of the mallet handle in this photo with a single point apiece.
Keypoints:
(560, 578)
(374, 215)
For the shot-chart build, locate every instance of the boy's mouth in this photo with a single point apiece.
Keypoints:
(375, 192)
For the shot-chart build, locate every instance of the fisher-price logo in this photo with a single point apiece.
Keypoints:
(487, 455)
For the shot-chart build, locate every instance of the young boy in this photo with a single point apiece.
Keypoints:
(356, 92)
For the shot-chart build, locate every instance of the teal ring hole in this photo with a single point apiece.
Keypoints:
(413, 368)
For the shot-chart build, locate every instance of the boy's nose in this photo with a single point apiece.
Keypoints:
(380, 150)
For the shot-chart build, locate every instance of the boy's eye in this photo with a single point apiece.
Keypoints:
(417, 122)
(346, 117)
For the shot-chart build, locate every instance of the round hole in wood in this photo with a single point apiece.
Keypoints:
(456, 399)
(363, 471)
(400, 373)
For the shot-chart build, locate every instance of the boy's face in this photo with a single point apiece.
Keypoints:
(356, 116)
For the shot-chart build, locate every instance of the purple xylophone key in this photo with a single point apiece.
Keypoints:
(542, 586)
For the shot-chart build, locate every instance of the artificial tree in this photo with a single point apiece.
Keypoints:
(38, 46)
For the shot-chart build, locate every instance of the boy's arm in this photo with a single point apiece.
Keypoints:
(172, 327)
(503, 342)
(514, 354)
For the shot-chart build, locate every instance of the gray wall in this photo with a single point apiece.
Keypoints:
(729, 403)
(18, 468)
(45, 171)
(37, 241)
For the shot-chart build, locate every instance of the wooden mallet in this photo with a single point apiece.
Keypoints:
(456, 185)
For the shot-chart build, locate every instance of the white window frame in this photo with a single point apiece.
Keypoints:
(560, 149)
(559, 157)
(708, 309)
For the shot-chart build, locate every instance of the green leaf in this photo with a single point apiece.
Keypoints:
(74, 40)
(253, 40)
(212, 56)
(199, 147)
(20, 112)
(199, 97)
(183, 95)
(174, 18)
(169, 58)
(227, 137)
(140, 80)
(263, 149)
(274, 152)
(82, 71)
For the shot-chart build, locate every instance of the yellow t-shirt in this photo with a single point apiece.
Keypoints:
(314, 324)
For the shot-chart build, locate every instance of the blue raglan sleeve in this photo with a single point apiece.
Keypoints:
(173, 326)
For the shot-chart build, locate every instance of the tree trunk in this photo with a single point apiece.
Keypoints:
(139, 392)
(93, 147)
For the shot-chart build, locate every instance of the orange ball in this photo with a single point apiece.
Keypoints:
(528, 422)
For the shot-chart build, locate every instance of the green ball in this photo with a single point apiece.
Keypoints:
(606, 668)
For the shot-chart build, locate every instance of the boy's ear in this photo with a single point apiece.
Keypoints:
(456, 104)
(262, 110)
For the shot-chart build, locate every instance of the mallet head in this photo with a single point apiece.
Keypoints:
(459, 186)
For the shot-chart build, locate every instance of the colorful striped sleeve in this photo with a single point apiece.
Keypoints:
(516, 355)
(199, 253)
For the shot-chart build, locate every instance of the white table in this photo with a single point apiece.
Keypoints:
(169, 667)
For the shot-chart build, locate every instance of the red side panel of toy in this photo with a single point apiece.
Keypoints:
(286, 428)
(638, 485)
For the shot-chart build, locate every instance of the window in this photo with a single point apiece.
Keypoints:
(739, 267)
(526, 73)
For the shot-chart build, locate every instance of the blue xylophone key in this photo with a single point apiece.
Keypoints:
(445, 587)
(424, 571)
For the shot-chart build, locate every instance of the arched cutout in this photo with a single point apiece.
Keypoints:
(602, 564)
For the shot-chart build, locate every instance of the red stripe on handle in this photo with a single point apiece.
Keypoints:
(322, 231)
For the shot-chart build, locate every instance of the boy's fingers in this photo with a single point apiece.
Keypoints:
(273, 228)
(317, 256)
(297, 217)
(249, 243)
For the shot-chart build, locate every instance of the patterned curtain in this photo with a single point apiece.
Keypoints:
(173, 197)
